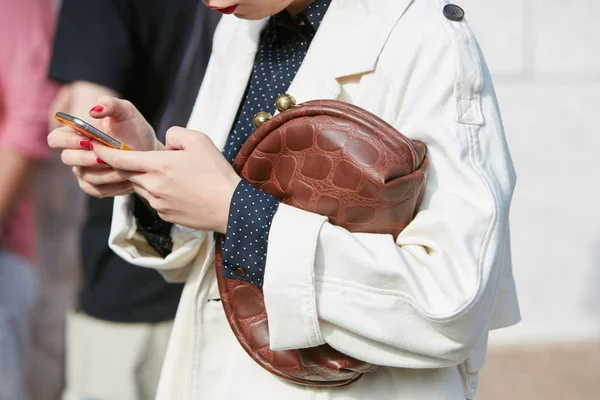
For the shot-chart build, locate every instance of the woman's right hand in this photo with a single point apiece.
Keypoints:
(118, 118)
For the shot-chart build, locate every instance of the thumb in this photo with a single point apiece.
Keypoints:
(108, 106)
(178, 138)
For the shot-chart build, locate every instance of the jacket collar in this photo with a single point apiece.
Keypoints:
(348, 42)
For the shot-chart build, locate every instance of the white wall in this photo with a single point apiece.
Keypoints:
(545, 59)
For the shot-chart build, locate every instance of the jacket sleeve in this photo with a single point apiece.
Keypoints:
(423, 299)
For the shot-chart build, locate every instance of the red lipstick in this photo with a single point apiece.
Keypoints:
(225, 10)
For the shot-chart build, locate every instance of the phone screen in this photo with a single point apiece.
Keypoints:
(89, 131)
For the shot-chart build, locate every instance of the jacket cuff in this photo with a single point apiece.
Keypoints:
(128, 243)
(289, 285)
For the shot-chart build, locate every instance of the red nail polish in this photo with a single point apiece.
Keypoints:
(99, 161)
(85, 143)
(97, 109)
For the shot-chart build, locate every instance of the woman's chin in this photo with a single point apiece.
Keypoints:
(252, 15)
(249, 17)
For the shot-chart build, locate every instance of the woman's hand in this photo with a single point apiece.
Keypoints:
(94, 177)
(121, 120)
(118, 118)
(190, 184)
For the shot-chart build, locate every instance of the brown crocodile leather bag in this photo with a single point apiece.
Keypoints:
(337, 160)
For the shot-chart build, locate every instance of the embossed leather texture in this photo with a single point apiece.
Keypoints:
(337, 160)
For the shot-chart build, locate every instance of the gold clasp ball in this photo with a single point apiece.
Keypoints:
(285, 102)
(260, 118)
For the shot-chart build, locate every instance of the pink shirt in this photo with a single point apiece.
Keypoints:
(25, 96)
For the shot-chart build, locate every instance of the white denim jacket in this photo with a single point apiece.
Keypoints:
(421, 304)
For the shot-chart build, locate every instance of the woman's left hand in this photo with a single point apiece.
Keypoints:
(190, 183)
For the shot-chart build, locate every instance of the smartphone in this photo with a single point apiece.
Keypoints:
(89, 131)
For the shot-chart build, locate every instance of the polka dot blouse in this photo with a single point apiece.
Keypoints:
(282, 49)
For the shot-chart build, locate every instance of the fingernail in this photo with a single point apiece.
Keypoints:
(85, 143)
(99, 161)
(97, 109)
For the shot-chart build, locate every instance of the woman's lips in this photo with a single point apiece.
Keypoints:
(225, 10)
